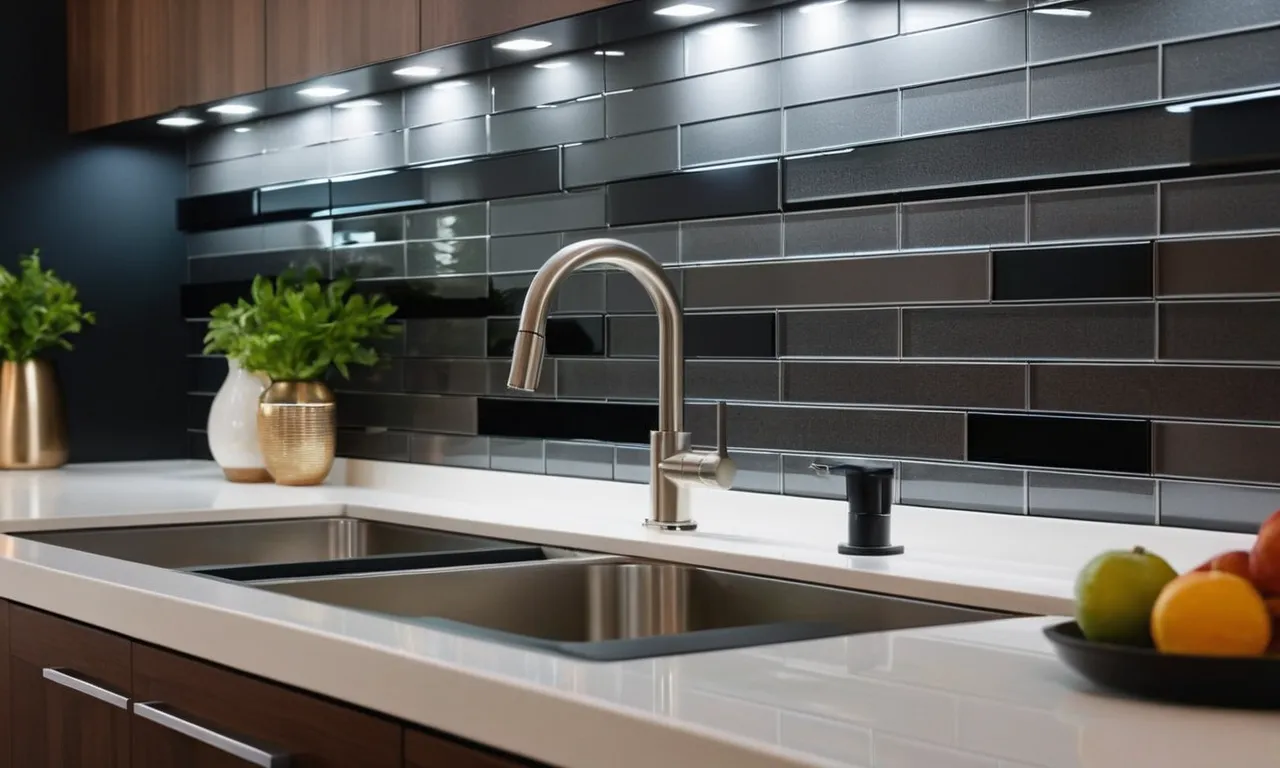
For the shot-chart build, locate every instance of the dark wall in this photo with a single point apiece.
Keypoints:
(102, 212)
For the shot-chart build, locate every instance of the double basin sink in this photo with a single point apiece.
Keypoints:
(582, 605)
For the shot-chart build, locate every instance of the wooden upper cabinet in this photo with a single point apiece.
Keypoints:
(455, 21)
(223, 45)
(120, 61)
(306, 38)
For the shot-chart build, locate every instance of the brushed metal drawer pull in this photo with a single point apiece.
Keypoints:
(253, 754)
(70, 679)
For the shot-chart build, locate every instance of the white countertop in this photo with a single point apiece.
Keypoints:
(989, 695)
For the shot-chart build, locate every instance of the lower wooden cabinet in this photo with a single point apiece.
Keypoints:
(424, 750)
(5, 729)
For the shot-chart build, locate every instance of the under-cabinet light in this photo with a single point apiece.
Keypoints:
(417, 71)
(179, 121)
(684, 10)
(322, 92)
(233, 109)
(523, 44)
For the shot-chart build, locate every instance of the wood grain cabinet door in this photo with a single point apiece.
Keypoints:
(455, 21)
(6, 726)
(68, 693)
(307, 38)
(122, 63)
(425, 750)
(224, 48)
(190, 714)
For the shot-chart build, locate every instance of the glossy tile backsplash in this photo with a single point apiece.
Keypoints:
(964, 237)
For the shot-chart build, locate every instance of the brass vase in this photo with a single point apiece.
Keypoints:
(297, 431)
(33, 422)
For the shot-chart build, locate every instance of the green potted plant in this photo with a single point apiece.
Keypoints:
(294, 330)
(38, 310)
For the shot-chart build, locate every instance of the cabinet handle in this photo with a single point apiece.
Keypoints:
(70, 679)
(253, 754)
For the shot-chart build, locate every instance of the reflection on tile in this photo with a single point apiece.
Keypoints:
(759, 472)
(661, 241)
(1086, 214)
(237, 240)
(367, 154)
(977, 221)
(1106, 81)
(1105, 445)
(1220, 266)
(522, 252)
(1217, 451)
(1220, 331)
(753, 237)
(734, 138)
(591, 460)
(955, 487)
(562, 124)
(1081, 331)
(438, 104)
(548, 213)
(217, 269)
(451, 451)
(1216, 507)
(446, 337)
(799, 479)
(517, 455)
(842, 122)
(378, 445)
(836, 333)
(853, 230)
(646, 61)
(225, 176)
(1222, 63)
(525, 85)
(298, 129)
(927, 14)
(226, 144)
(727, 191)
(456, 138)
(977, 101)
(933, 385)
(368, 230)
(624, 157)
(297, 234)
(387, 375)
(383, 117)
(631, 464)
(837, 24)
(744, 40)
(447, 257)
(1220, 204)
(446, 223)
(374, 261)
(692, 100)
(1081, 497)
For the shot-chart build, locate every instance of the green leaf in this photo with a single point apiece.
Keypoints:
(37, 310)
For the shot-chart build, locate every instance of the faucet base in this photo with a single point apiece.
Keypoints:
(873, 551)
(687, 525)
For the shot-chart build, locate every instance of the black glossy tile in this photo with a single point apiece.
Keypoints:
(386, 376)
(368, 230)
(446, 377)
(449, 415)
(570, 336)
(196, 329)
(217, 269)
(744, 335)
(293, 201)
(623, 293)
(1243, 331)
(1235, 134)
(526, 173)
(1085, 272)
(198, 448)
(391, 191)
(199, 300)
(695, 195)
(840, 333)
(941, 385)
(370, 262)
(580, 293)
(565, 420)
(448, 223)
(209, 212)
(951, 487)
(198, 410)
(446, 337)
(436, 297)
(447, 257)
(1082, 497)
(205, 374)
(1105, 445)
(1079, 331)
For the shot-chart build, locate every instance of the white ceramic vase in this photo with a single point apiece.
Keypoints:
(233, 426)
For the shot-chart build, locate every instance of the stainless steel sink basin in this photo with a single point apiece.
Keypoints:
(285, 548)
(607, 608)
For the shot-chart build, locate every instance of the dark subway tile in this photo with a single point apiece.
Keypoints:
(198, 406)
(582, 292)
(374, 261)
(1083, 272)
(1082, 331)
(225, 144)
(916, 278)
(196, 329)
(448, 223)
(1242, 265)
(1220, 204)
(548, 213)
(559, 124)
(245, 266)
(589, 460)
(1085, 497)
(1105, 445)
(384, 116)
(638, 379)
(985, 100)
(622, 157)
(1217, 451)
(489, 178)
(841, 122)
(752, 237)
(436, 297)
(451, 450)
(209, 212)
(377, 445)
(199, 300)
(733, 138)
(1225, 63)
(223, 241)
(205, 374)
(387, 375)
(941, 385)
(368, 230)
(742, 335)
(1241, 330)
(438, 258)
(1217, 507)
(1089, 214)
(1235, 134)
(649, 60)
(446, 377)
(465, 97)
(693, 100)
(445, 141)
(500, 373)
(294, 201)
(970, 488)
(830, 233)
(456, 415)
(1232, 393)
(517, 455)
(836, 24)
(1087, 84)
(566, 420)
(446, 337)
(976, 221)
(520, 253)
(927, 14)
(702, 194)
(390, 191)
(570, 336)
(711, 49)
(370, 153)
(526, 85)
(623, 293)
(840, 333)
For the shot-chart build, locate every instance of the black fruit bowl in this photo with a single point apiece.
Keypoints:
(1242, 683)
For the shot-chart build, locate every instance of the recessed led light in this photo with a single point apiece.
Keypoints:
(358, 104)
(1079, 13)
(523, 44)
(820, 6)
(233, 109)
(448, 84)
(728, 26)
(322, 92)
(243, 129)
(610, 53)
(417, 71)
(179, 121)
(551, 64)
(684, 10)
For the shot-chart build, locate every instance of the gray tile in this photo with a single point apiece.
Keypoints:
(582, 292)
(456, 415)
(370, 261)
(842, 122)
(226, 144)
(522, 252)
(1105, 81)
(378, 445)
(624, 294)
(446, 223)
(298, 164)
(387, 116)
(1216, 451)
(918, 278)
(624, 157)
(1084, 497)
(1093, 214)
(758, 472)
(451, 451)
(591, 460)
(734, 138)
(226, 176)
(1172, 391)
(446, 337)
(447, 257)
(299, 129)
(558, 79)
(650, 60)
(442, 141)
(1114, 24)
(913, 434)
(941, 385)
(517, 455)
(1241, 330)
(1221, 204)
(970, 488)
(500, 372)
(1216, 507)
(439, 103)
(927, 14)
(387, 375)
(848, 231)
(630, 464)
(547, 213)
(1222, 64)
(446, 377)
(638, 379)
(367, 154)
(721, 45)
(368, 230)
(985, 100)
(839, 333)
(942, 54)
(798, 479)
(297, 234)
(661, 241)
(1080, 331)
(1224, 266)
(244, 266)
(692, 100)
(533, 128)
(633, 336)
(750, 237)
(976, 221)
(238, 240)
(818, 27)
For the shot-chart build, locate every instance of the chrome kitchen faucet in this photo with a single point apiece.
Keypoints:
(673, 467)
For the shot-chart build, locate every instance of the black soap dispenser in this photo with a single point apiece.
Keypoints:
(870, 494)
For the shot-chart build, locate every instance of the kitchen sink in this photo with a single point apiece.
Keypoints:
(607, 608)
(289, 548)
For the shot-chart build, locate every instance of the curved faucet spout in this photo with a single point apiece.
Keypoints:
(530, 345)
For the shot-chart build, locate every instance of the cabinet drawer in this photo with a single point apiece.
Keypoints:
(426, 750)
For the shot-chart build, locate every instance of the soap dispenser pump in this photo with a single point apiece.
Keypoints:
(870, 495)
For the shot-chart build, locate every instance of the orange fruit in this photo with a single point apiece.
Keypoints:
(1211, 613)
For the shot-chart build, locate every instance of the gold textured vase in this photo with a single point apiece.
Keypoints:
(296, 429)
(33, 423)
